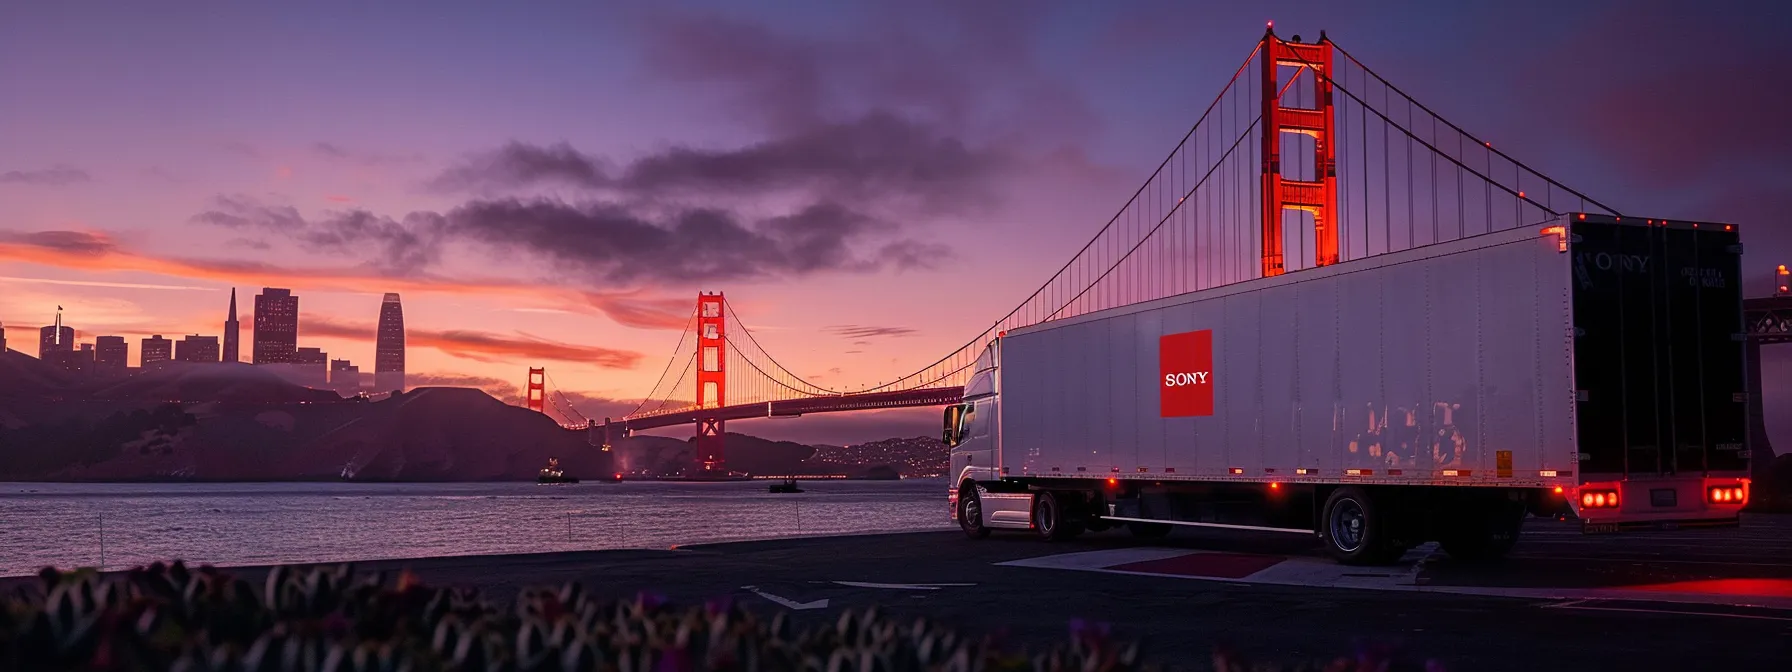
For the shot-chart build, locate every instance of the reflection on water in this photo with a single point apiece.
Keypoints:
(65, 524)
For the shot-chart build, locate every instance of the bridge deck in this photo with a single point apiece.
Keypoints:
(936, 396)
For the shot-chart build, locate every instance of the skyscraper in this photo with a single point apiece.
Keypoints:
(156, 351)
(345, 377)
(232, 351)
(110, 353)
(313, 366)
(276, 326)
(54, 339)
(197, 349)
(388, 349)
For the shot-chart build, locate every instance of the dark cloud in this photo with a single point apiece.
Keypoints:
(50, 177)
(609, 242)
(83, 243)
(858, 331)
(406, 245)
(879, 158)
(1669, 116)
(965, 66)
(518, 164)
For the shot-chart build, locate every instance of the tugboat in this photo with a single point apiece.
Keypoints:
(553, 474)
(788, 486)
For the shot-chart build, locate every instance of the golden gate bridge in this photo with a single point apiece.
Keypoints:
(1306, 158)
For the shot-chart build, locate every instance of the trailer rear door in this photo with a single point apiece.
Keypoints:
(1658, 369)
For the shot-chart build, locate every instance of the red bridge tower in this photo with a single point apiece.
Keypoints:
(1318, 196)
(537, 390)
(712, 377)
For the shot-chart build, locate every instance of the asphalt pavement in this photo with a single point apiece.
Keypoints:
(1680, 600)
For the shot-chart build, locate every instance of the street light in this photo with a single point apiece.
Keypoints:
(1785, 287)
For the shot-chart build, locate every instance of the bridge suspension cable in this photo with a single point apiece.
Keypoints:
(1405, 177)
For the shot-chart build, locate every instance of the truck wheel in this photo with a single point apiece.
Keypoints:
(1354, 529)
(1149, 530)
(1052, 518)
(1486, 536)
(970, 512)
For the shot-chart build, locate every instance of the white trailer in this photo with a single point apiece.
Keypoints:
(1591, 367)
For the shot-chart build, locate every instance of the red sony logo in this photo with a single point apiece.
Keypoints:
(1185, 374)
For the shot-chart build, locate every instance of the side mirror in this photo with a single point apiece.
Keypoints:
(949, 435)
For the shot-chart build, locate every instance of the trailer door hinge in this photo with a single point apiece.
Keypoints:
(1734, 249)
(1739, 338)
(1739, 397)
(1580, 395)
(1579, 332)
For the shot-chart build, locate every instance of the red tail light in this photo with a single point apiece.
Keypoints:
(1599, 499)
(1727, 494)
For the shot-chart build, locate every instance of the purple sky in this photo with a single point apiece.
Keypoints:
(550, 185)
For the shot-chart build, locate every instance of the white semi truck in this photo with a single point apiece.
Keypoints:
(1592, 367)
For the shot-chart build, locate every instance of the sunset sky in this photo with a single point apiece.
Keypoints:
(550, 184)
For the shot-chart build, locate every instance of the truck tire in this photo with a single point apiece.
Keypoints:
(1053, 518)
(970, 512)
(1486, 535)
(1355, 530)
(1149, 530)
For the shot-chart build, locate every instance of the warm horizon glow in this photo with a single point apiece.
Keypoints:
(872, 185)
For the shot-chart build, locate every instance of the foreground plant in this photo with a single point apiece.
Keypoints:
(176, 618)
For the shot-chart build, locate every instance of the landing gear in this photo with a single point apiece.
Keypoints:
(1485, 533)
(1356, 530)
(1055, 515)
(970, 512)
(1149, 530)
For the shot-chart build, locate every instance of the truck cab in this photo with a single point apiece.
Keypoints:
(972, 432)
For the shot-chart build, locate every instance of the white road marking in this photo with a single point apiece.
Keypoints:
(903, 586)
(787, 603)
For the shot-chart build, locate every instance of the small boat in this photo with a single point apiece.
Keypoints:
(788, 486)
(554, 474)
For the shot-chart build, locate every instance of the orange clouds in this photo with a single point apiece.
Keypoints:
(96, 252)
(478, 345)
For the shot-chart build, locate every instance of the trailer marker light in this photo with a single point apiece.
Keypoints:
(1275, 486)
(1558, 489)
(1583, 215)
(1451, 472)
(1727, 494)
(1359, 472)
(1112, 482)
(1236, 471)
(1547, 473)
(1599, 499)
(1304, 472)
(1169, 470)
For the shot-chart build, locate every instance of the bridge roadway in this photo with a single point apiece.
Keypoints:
(790, 408)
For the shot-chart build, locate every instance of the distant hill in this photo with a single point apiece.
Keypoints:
(22, 375)
(427, 434)
(181, 382)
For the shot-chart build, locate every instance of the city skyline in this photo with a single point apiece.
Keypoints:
(551, 220)
(109, 355)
